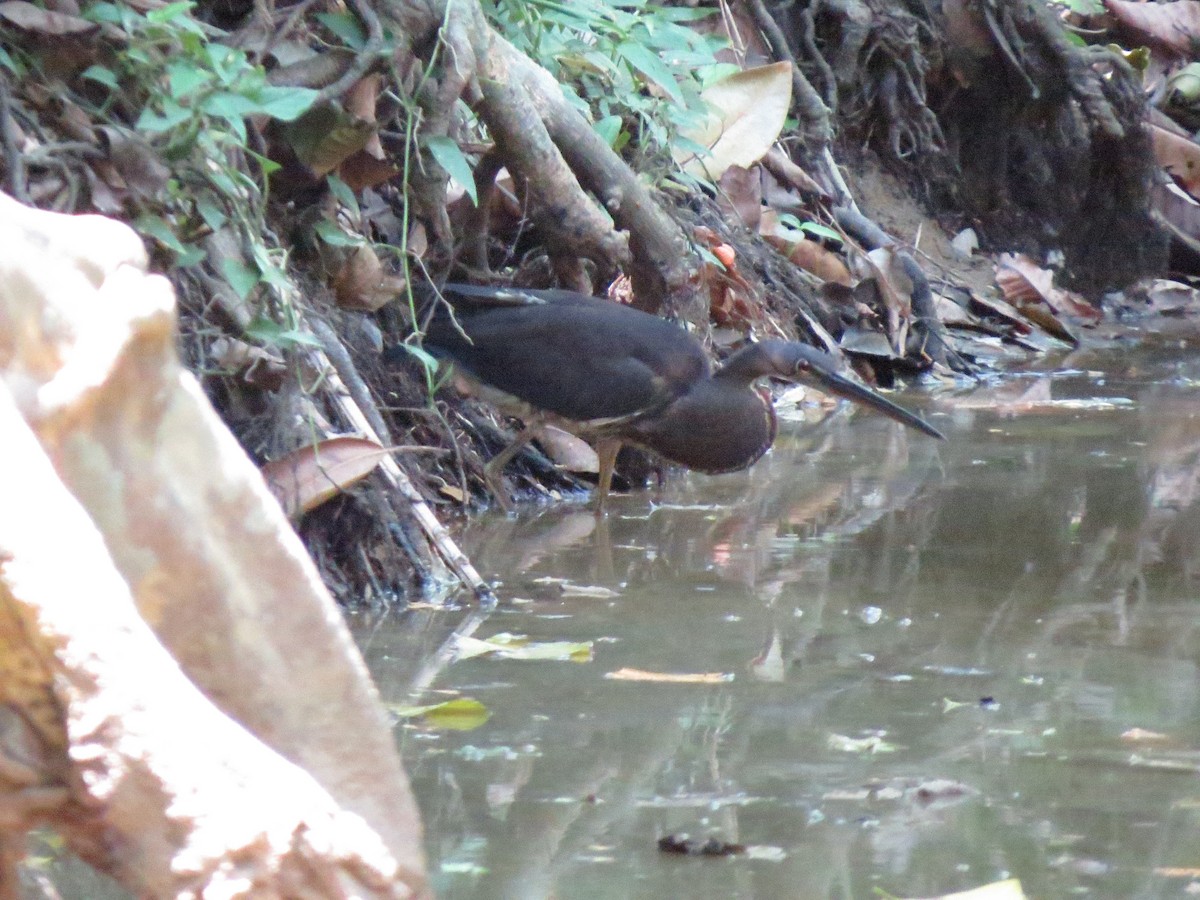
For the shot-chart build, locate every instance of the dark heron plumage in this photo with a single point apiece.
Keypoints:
(614, 375)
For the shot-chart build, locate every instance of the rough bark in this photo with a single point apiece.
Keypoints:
(126, 488)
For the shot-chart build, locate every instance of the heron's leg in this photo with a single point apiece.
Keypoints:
(494, 469)
(606, 451)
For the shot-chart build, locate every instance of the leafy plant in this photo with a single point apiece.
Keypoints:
(189, 98)
(632, 66)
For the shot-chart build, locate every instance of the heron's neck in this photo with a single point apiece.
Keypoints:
(745, 366)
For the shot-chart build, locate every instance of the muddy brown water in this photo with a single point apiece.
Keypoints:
(943, 664)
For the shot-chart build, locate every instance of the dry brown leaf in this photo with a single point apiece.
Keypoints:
(138, 165)
(808, 255)
(256, 366)
(326, 136)
(305, 478)
(1030, 289)
(454, 493)
(363, 170)
(360, 102)
(363, 283)
(820, 261)
(28, 17)
(628, 674)
(782, 167)
(1180, 156)
(747, 111)
(741, 194)
(1170, 26)
(568, 451)
(895, 291)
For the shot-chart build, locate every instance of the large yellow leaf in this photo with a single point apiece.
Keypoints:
(747, 111)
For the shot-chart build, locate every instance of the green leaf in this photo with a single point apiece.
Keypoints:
(272, 272)
(816, 229)
(460, 714)
(228, 63)
(649, 64)
(229, 106)
(345, 26)
(343, 195)
(335, 236)
(427, 359)
(214, 217)
(241, 277)
(158, 228)
(268, 165)
(266, 331)
(106, 13)
(169, 13)
(184, 78)
(285, 103)
(609, 128)
(172, 115)
(451, 158)
(101, 75)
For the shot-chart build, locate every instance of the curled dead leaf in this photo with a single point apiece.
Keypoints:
(256, 366)
(363, 283)
(307, 477)
(1030, 289)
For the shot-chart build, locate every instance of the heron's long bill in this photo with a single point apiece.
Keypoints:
(831, 382)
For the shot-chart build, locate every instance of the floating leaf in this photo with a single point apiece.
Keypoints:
(510, 646)
(870, 744)
(1009, 889)
(307, 477)
(460, 714)
(628, 674)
